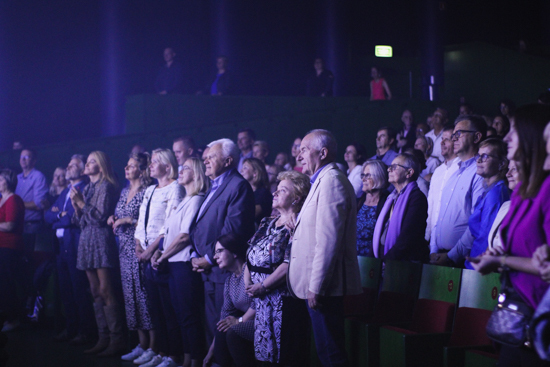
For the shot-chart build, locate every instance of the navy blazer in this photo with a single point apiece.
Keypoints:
(230, 210)
(71, 235)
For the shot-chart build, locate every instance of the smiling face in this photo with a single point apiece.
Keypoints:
(490, 167)
(512, 175)
(247, 172)
(131, 171)
(284, 196)
(368, 181)
(157, 169)
(512, 140)
(92, 167)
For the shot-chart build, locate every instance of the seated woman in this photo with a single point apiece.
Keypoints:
(375, 183)
(185, 285)
(400, 228)
(233, 342)
(355, 155)
(494, 239)
(254, 172)
(527, 224)
(501, 124)
(12, 214)
(492, 166)
(279, 317)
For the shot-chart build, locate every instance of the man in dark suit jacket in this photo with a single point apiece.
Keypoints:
(228, 208)
(73, 283)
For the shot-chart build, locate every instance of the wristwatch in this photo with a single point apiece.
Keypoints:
(240, 319)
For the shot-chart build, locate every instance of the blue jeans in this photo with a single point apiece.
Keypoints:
(329, 332)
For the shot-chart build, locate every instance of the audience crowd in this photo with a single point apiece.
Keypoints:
(220, 257)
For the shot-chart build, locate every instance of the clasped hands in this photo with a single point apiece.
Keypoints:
(200, 264)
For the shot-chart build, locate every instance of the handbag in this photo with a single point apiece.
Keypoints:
(509, 322)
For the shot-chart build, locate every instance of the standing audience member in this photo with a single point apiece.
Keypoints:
(507, 108)
(185, 285)
(260, 150)
(423, 185)
(407, 136)
(59, 184)
(170, 77)
(370, 204)
(425, 145)
(494, 239)
(233, 344)
(385, 138)
(465, 109)
(183, 148)
(222, 85)
(245, 141)
(421, 129)
(320, 83)
(492, 165)
(527, 224)
(254, 172)
(440, 177)
(451, 240)
(378, 86)
(228, 208)
(440, 118)
(97, 250)
(401, 225)
(294, 152)
(12, 214)
(272, 173)
(282, 159)
(73, 283)
(32, 188)
(124, 222)
(501, 124)
(159, 203)
(355, 155)
(279, 317)
(323, 262)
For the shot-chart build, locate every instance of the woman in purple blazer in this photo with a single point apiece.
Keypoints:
(527, 224)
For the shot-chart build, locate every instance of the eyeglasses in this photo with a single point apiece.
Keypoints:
(484, 157)
(394, 166)
(457, 134)
(365, 176)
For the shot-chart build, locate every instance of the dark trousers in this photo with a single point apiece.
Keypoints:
(73, 290)
(231, 349)
(328, 330)
(164, 318)
(9, 261)
(213, 302)
(186, 290)
(519, 357)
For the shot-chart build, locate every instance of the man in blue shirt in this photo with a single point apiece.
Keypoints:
(451, 242)
(385, 138)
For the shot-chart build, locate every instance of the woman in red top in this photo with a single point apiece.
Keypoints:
(378, 86)
(12, 214)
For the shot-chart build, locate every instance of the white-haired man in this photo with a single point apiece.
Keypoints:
(228, 208)
(323, 261)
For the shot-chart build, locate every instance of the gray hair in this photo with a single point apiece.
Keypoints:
(229, 149)
(411, 162)
(81, 158)
(379, 172)
(324, 139)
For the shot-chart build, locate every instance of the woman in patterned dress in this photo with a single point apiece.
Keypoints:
(124, 223)
(97, 250)
(277, 313)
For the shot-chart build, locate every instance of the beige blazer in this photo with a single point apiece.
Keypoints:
(323, 257)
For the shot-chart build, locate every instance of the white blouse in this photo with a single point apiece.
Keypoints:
(355, 178)
(163, 202)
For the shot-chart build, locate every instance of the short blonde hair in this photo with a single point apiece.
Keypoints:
(166, 157)
(105, 166)
(301, 184)
(379, 173)
(201, 182)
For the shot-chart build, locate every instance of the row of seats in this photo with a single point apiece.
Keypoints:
(412, 314)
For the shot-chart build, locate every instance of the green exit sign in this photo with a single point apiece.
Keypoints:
(383, 51)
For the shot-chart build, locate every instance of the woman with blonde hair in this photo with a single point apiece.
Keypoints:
(185, 285)
(97, 250)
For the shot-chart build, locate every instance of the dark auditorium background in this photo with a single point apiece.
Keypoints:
(66, 67)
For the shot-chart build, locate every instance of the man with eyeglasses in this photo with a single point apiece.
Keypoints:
(451, 239)
(440, 177)
(439, 120)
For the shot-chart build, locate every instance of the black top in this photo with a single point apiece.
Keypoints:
(263, 198)
(317, 85)
(170, 79)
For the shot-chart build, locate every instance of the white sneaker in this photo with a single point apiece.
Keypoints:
(136, 352)
(167, 362)
(153, 362)
(145, 357)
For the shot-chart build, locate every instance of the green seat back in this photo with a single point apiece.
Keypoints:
(402, 277)
(440, 283)
(479, 291)
(369, 268)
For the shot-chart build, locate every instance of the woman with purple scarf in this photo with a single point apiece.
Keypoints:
(400, 228)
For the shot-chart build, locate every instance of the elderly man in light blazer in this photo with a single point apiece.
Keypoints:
(323, 261)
